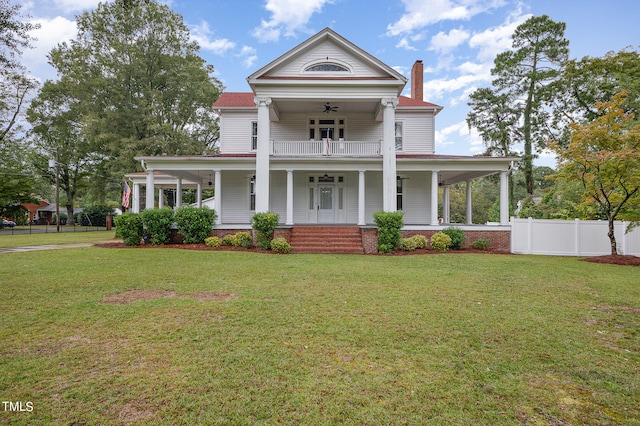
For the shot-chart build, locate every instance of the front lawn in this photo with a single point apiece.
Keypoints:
(217, 337)
(66, 237)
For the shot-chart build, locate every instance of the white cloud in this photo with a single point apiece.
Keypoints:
(287, 17)
(420, 13)
(457, 134)
(497, 39)
(51, 33)
(443, 43)
(69, 6)
(404, 44)
(249, 56)
(202, 34)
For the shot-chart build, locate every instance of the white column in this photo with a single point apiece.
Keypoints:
(199, 195)
(136, 198)
(361, 189)
(434, 197)
(289, 220)
(178, 200)
(469, 204)
(160, 198)
(389, 188)
(262, 155)
(446, 204)
(151, 198)
(217, 192)
(504, 198)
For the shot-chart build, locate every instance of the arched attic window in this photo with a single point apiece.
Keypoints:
(326, 67)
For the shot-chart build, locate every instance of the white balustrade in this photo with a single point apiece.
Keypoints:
(326, 147)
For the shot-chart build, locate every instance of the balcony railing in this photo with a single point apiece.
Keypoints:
(325, 147)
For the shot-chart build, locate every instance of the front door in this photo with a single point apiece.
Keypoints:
(326, 205)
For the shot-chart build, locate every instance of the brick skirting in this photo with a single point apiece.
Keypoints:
(500, 240)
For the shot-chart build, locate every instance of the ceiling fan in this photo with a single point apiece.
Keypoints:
(328, 108)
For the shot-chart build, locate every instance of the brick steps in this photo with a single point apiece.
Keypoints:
(326, 239)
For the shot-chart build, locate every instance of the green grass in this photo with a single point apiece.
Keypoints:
(19, 240)
(458, 339)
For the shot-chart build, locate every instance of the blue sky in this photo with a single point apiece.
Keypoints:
(456, 39)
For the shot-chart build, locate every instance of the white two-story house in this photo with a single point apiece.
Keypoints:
(324, 136)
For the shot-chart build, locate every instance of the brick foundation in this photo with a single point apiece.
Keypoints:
(500, 240)
(369, 240)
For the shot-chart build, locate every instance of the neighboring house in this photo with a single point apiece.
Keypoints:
(325, 137)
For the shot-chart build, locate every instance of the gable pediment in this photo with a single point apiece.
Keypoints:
(326, 56)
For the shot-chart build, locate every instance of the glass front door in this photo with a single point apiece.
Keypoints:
(326, 204)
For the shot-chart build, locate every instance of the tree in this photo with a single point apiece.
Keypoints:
(16, 180)
(589, 80)
(521, 87)
(142, 87)
(55, 117)
(604, 156)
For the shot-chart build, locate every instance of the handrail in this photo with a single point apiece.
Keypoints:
(325, 147)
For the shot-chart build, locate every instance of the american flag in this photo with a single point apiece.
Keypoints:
(126, 196)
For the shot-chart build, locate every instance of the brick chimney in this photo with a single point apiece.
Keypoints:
(417, 75)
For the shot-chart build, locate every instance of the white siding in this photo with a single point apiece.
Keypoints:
(235, 132)
(362, 127)
(291, 127)
(321, 51)
(373, 195)
(235, 197)
(418, 132)
(278, 194)
(416, 198)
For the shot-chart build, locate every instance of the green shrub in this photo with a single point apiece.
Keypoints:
(94, 215)
(213, 242)
(129, 228)
(440, 241)
(230, 240)
(157, 223)
(408, 244)
(481, 244)
(264, 224)
(457, 237)
(420, 241)
(389, 225)
(244, 239)
(194, 223)
(280, 245)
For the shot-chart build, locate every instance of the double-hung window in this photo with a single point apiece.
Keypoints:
(398, 133)
(254, 135)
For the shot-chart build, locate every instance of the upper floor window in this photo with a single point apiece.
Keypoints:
(254, 135)
(398, 135)
(326, 67)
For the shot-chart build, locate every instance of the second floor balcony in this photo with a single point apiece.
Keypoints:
(326, 148)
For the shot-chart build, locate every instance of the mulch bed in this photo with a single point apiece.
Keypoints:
(613, 260)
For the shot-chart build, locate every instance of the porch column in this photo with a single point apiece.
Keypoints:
(217, 193)
(434, 197)
(199, 195)
(136, 198)
(504, 197)
(160, 198)
(389, 188)
(361, 221)
(289, 220)
(151, 191)
(469, 204)
(178, 200)
(446, 204)
(262, 155)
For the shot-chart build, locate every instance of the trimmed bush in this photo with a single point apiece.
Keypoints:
(420, 240)
(389, 225)
(408, 244)
(264, 224)
(244, 239)
(440, 241)
(457, 237)
(481, 244)
(194, 223)
(280, 245)
(230, 240)
(129, 228)
(213, 242)
(157, 223)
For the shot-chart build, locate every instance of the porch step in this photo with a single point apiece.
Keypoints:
(326, 239)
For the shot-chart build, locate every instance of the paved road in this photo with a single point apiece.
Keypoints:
(44, 247)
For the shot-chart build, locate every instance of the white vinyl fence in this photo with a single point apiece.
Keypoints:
(571, 237)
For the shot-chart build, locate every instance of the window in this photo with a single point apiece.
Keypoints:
(254, 135)
(327, 66)
(322, 128)
(252, 193)
(398, 135)
(399, 192)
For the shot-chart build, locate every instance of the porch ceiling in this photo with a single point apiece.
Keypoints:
(316, 106)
